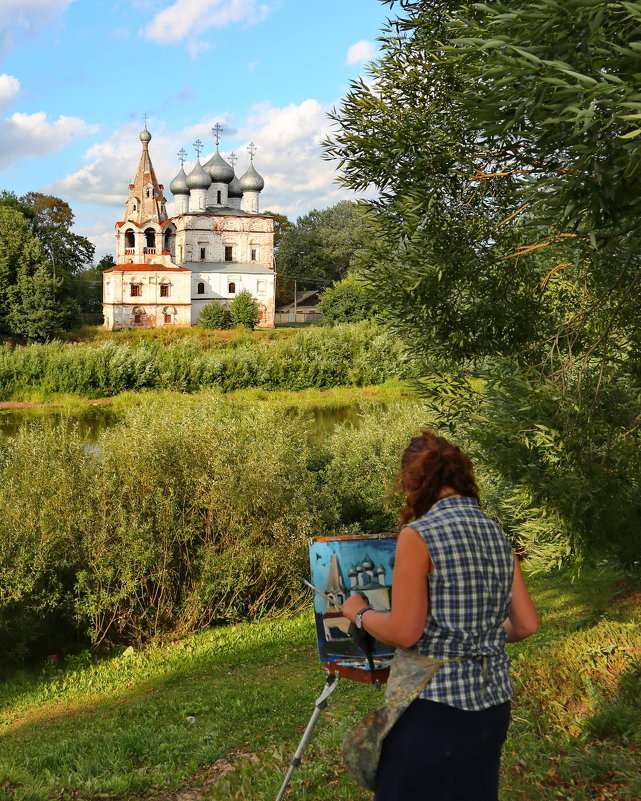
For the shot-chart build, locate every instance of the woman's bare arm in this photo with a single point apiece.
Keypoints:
(523, 620)
(405, 623)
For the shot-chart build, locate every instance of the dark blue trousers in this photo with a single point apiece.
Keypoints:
(437, 752)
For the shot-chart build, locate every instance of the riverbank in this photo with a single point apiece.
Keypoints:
(218, 715)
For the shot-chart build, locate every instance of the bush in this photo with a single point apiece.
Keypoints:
(245, 310)
(215, 316)
(344, 355)
(179, 517)
(347, 301)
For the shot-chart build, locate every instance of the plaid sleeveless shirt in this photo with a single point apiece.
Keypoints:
(470, 590)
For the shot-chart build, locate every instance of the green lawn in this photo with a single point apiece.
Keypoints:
(218, 715)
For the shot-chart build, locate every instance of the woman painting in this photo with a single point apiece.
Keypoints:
(458, 596)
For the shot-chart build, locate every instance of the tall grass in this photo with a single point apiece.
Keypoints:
(354, 355)
(189, 511)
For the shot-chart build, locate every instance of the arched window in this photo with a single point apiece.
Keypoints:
(150, 238)
(231, 289)
(170, 241)
(138, 315)
(130, 239)
(201, 288)
(169, 315)
(202, 254)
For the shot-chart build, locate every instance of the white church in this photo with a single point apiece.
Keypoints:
(217, 244)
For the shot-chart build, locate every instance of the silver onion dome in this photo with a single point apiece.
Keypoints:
(234, 188)
(145, 136)
(251, 181)
(198, 178)
(179, 185)
(221, 172)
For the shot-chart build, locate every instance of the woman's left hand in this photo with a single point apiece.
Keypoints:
(353, 605)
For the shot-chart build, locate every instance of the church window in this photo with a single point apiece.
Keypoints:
(130, 239)
(229, 253)
(202, 254)
(136, 290)
(231, 288)
(137, 318)
(148, 193)
(167, 318)
(260, 286)
(201, 288)
(253, 254)
(164, 290)
(150, 238)
(219, 197)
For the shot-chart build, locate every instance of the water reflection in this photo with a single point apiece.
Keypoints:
(91, 422)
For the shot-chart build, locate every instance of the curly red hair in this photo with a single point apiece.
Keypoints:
(431, 463)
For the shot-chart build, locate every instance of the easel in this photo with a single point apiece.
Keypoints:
(334, 671)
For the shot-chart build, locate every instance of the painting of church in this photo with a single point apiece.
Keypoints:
(339, 567)
(216, 245)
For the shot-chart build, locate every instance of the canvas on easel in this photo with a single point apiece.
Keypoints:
(339, 567)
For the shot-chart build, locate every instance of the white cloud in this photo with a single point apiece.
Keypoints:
(25, 17)
(183, 17)
(289, 157)
(9, 89)
(32, 135)
(360, 52)
(197, 48)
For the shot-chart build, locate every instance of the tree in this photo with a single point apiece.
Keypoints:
(36, 312)
(321, 246)
(282, 224)
(36, 242)
(347, 301)
(20, 254)
(216, 316)
(504, 143)
(244, 310)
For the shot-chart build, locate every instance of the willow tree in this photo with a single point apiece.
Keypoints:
(504, 143)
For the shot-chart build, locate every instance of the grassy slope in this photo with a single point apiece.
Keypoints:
(219, 715)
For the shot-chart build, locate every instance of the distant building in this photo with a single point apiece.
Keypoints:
(218, 244)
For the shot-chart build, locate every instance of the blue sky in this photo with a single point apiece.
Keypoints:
(76, 77)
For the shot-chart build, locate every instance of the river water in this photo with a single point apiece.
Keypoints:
(92, 421)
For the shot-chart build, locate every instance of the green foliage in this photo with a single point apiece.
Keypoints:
(39, 255)
(114, 724)
(179, 516)
(356, 355)
(347, 301)
(215, 316)
(321, 246)
(244, 310)
(36, 313)
(507, 245)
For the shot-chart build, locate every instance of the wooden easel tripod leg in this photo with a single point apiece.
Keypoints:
(321, 702)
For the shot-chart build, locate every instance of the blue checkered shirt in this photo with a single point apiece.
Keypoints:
(470, 590)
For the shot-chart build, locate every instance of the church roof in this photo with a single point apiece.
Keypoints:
(229, 267)
(148, 268)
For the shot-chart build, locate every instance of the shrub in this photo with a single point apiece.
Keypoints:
(347, 301)
(245, 310)
(215, 316)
